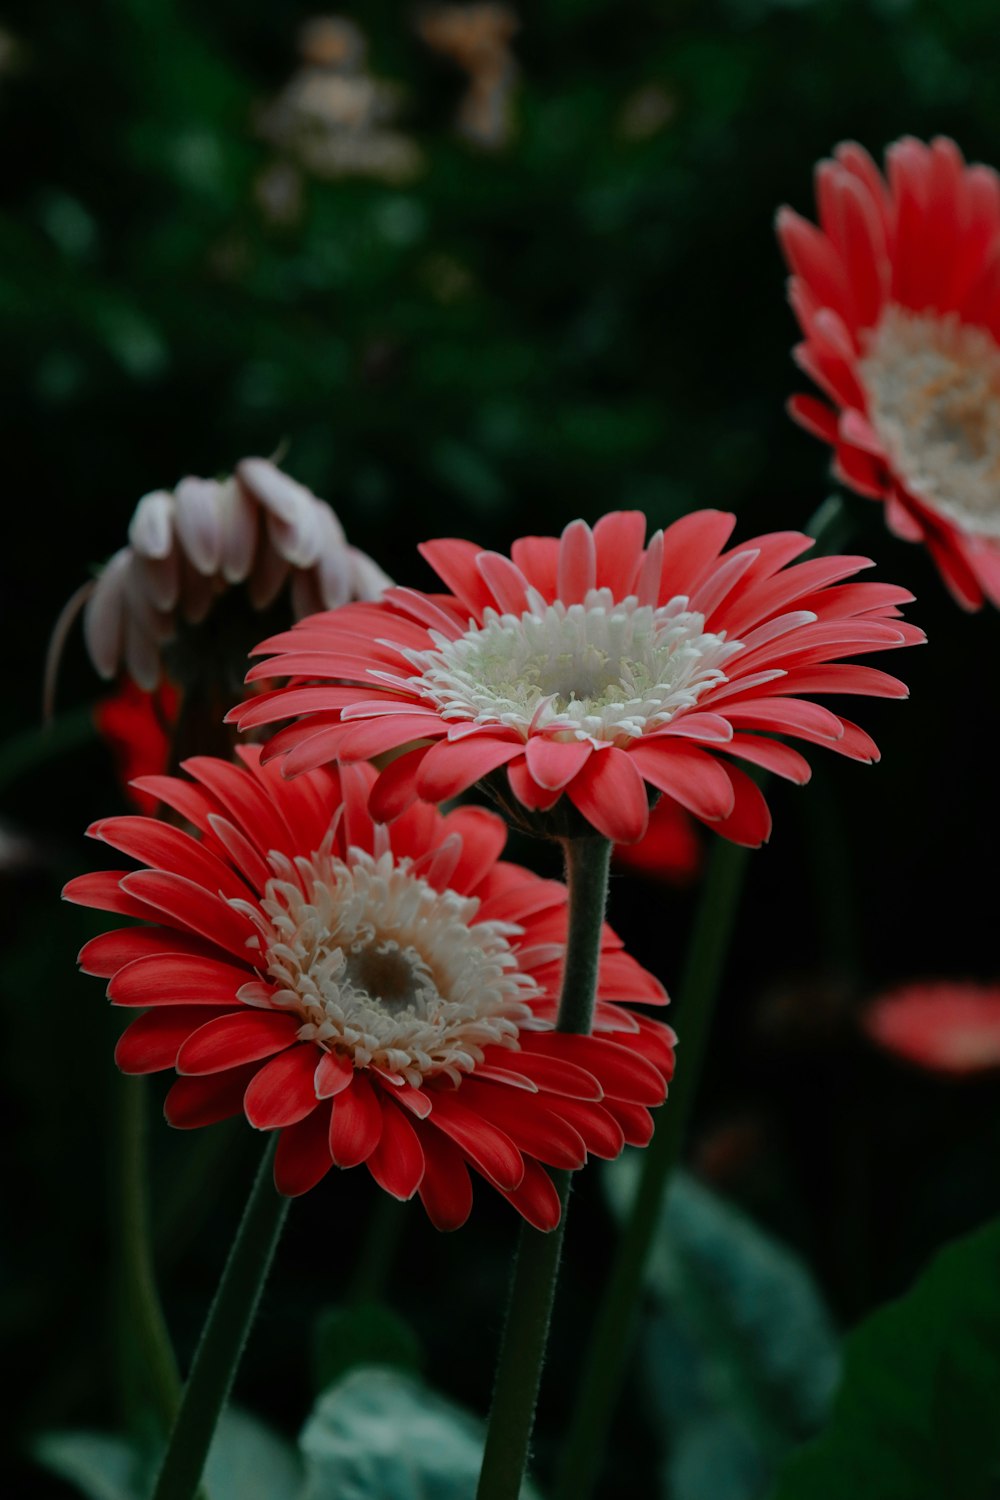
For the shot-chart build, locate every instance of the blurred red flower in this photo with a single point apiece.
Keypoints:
(897, 294)
(136, 728)
(947, 1026)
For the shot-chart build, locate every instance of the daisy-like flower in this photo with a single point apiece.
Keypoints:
(258, 529)
(590, 667)
(949, 1026)
(897, 293)
(384, 996)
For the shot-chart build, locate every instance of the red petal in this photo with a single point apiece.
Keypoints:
(241, 1037)
(303, 1155)
(534, 1129)
(451, 766)
(153, 1040)
(621, 1073)
(283, 1090)
(193, 1102)
(445, 1188)
(535, 1198)
(356, 1123)
(488, 1148)
(397, 1162)
(610, 794)
(177, 979)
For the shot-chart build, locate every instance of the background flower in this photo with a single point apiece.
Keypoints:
(592, 665)
(897, 294)
(190, 546)
(381, 996)
(947, 1026)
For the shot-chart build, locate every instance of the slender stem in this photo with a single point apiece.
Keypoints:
(378, 1250)
(224, 1336)
(142, 1329)
(536, 1265)
(611, 1336)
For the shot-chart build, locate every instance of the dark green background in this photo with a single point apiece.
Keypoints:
(579, 321)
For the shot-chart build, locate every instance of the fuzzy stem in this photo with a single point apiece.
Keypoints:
(142, 1329)
(536, 1265)
(611, 1337)
(224, 1336)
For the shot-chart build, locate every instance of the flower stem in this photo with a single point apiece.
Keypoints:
(611, 1336)
(224, 1336)
(536, 1265)
(142, 1329)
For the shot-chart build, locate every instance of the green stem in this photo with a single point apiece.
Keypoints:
(611, 1336)
(142, 1329)
(378, 1250)
(536, 1266)
(224, 1336)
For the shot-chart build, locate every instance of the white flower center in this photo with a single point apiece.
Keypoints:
(600, 670)
(933, 386)
(384, 968)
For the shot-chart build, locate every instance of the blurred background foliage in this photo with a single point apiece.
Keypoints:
(475, 275)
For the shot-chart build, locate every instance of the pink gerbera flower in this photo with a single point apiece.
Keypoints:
(591, 667)
(380, 995)
(946, 1026)
(897, 294)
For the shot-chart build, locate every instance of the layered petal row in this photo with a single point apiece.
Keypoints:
(595, 666)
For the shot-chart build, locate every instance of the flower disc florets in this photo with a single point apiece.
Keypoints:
(933, 386)
(603, 670)
(385, 969)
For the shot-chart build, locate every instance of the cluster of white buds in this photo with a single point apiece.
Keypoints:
(257, 528)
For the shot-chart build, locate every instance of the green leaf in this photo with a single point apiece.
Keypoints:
(382, 1435)
(916, 1414)
(740, 1352)
(368, 1333)
(247, 1461)
(99, 1465)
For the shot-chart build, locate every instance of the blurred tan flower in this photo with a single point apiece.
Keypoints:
(258, 529)
(477, 39)
(334, 118)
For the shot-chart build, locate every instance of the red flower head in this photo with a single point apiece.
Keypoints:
(897, 294)
(591, 665)
(379, 995)
(670, 849)
(947, 1026)
(136, 726)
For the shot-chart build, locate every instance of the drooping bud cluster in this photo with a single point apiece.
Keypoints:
(188, 546)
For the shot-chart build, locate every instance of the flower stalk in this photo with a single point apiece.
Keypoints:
(224, 1336)
(611, 1337)
(536, 1266)
(142, 1329)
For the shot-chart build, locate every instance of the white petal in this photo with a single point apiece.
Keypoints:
(369, 581)
(238, 511)
(199, 527)
(151, 530)
(268, 576)
(103, 617)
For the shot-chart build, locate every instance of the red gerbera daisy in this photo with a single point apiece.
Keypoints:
(947, 1026)
(591, 665)
(898, 297)
(379, 995)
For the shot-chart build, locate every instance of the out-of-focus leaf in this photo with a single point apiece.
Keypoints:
(916, 1414)
(367, 1334)
(247, 1461)
(740, 1353)
(382, 1435)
